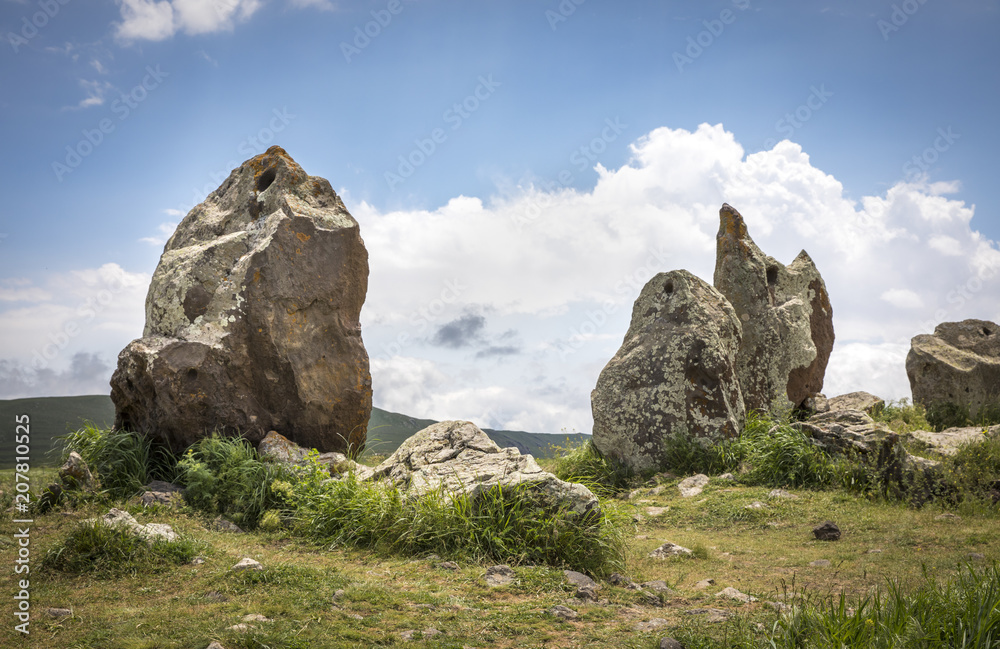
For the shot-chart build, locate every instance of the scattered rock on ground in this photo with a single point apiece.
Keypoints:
(670, 643)
(579, 579)
(651, 625)
(448, 565)
(828, 531)
(563, 612)
(668, 550)
(958, 364)
(500, 575)
(781, 493)
(252, 318)
(459, 458)
(976, 556)
(256, 617)
(712, 614)
(225, 525)
(150, 532)
(658, 586)
(731, 593)
(159, 492)
(247, 564)
(786, 316)
(617, 579)
(754, 505)
(215, 645)
(656, 511)
(58, 612)
(692, 486)
(947, 516)
(279, 448)
(674, 377)
(704, 583)
(820, 563)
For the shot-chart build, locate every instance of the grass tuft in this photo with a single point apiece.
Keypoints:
(124, 461)
(107, 551)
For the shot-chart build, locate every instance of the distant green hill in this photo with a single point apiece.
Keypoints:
(52, 417)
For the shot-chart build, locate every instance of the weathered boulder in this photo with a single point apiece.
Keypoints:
(863, 401)
(252, 318)
(958, 364)
(458, 458)
(950, 440)
(786, 315)
(674, 377)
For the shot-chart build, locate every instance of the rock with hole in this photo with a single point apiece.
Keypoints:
(252, 318)
(673, 381)
(786, 316)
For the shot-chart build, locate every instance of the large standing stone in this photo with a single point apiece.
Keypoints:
(252, 318)
(959, 363)
(674, 377)
(786, 315)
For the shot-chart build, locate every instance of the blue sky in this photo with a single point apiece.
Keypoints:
(570, 152)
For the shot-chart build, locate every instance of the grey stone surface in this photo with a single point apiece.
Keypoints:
(278, 448)
(247, 564)
(786, 316)
(828, 531)
(692, 486)
(674, 377)
(950, 440)
(863, 401)
(500, 575)
(459, 458)
(150, 532)
(668, 550)
(959, 363)
(252, 318)
(74, 473)
(731, 593)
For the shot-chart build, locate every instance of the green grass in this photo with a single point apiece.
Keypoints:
(51, 418)
(123, 461)
(106, 551)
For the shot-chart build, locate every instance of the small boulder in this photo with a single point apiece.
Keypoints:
(75, 474)
(692, 486)
(163, 493)
(863, 401)
(246, 564)
(579, 579)
(668, 550)
(563, 613)
(828, 531)
(651, 625)
(670, 643)
(674, 378)
(150, 532)
(958, 364)
(731, 593)
(501, 575)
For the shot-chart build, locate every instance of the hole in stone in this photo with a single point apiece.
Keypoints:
(772, 275)
(192, 374)
(265, 179)
(668, 288)
(987, 332)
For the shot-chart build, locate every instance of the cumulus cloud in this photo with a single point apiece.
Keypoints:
(566, 265)
(461, 332)
(157, 21)
(86, 374)
(54, 327)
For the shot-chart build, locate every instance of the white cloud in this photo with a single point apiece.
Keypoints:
(902, 298)
(157, 20)
(88, 311)
(145, 20)
(325, 5)
(568, 265)
(164, 232)
(96, 93)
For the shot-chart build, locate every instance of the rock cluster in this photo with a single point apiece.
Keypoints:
(958, 364)
(252, 318)
(695, 358)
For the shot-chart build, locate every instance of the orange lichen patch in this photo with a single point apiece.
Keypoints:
(256, 276)
(298, 251)
(303, 237)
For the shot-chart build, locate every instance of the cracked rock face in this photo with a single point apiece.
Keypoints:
(786, 315)
(252, 318)
(459, 458)
(674, 375)
(959, 363)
